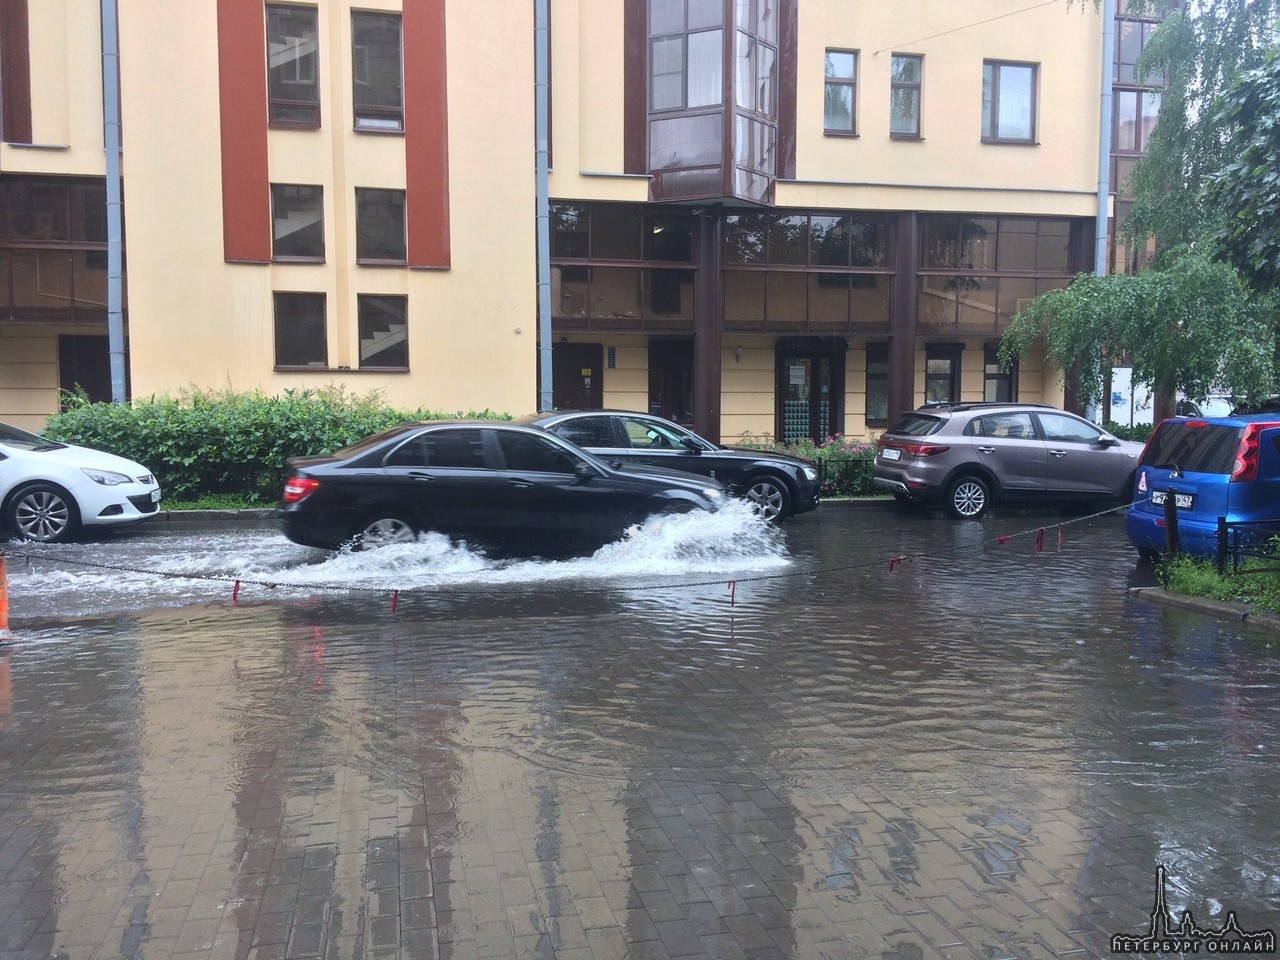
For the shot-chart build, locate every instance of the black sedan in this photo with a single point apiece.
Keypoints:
(509, 488)
(779, 486)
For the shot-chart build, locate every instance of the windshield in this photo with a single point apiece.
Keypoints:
(1193, 446)
(917, 425)
(13, 437)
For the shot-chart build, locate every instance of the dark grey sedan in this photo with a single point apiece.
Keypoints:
(512, 489)
(778, 485)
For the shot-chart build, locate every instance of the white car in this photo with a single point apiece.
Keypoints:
(49, 490)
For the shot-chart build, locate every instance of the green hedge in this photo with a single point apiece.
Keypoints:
(847, 462)
(221, 442)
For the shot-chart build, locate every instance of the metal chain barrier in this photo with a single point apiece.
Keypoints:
(1038, 533)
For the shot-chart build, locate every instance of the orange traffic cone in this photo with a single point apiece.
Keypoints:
(4, 600)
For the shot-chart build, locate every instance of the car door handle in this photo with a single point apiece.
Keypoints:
(522, 484)
(1058, 453)
(986, 449)
(419, 475)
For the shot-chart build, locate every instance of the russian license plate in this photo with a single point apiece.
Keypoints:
(155, 495)
(891, 453)
(1183, 501)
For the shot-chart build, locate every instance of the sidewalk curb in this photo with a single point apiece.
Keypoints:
(1230, 610)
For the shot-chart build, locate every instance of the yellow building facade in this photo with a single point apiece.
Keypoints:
(768, 217)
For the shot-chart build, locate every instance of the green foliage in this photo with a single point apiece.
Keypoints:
(220, 442)
(1194, 327)
(1246, 190)
(1139, 432)
(1194, 57)
(1199, 578)
(846, 462)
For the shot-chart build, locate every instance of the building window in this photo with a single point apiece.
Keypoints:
(380, 233)
(942, 372)
(376, 71)
(686, 54)
(300, 330)
(997, 383)
(1135, 112)
(384, 332)
(1008, 102)
(877, 383)
(293, 91)
(297, 222)
(904, 95)
(839, 114)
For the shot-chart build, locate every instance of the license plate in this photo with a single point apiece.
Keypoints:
(891, 453)
(1183, 501)
(155, 495)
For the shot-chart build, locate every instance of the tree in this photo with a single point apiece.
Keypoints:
(1194, 327)
(1245, 191)
(1197, 55)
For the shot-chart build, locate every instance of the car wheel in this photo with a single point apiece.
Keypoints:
(44, 513)
(770, 497)
(380, 530)
(968, 498)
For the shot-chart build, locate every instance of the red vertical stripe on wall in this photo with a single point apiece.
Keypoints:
(242, 97)
(15, 71)
(426, 133)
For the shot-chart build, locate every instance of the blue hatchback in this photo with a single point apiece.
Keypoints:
(1214, 467)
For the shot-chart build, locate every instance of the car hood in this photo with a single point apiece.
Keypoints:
(663, 475)
(73, 457)
(747, 453)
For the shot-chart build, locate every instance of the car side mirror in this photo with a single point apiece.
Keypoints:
(688, 443)
(583, 471)
(1106, 441)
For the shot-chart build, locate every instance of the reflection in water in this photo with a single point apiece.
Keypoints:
(987, 747)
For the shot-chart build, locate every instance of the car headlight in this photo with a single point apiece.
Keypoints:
(711, 493)
(108, 478)
(810, 473)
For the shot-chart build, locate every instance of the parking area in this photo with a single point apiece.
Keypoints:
(709, 742)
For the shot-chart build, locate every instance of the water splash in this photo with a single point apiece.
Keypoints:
(172, 570)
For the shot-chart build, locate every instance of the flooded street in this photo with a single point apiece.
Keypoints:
(871, 733)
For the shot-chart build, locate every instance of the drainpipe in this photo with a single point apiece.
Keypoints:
(542, 96)
(1104, 157)
(1104, 137)
(115, 219)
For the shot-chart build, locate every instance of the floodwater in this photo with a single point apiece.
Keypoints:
(868, 733)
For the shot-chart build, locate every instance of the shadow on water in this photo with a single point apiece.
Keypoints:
(713, 734)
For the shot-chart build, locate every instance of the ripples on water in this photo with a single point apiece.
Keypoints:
(709, 649)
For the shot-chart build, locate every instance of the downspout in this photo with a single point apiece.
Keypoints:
(1104, 137)
(1102, 215)
(115, 218)
(542, 105)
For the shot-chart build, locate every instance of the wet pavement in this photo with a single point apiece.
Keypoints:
(713, 740)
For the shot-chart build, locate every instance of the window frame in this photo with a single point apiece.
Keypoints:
(275, 236)
(998, 376)
(276, 298)
(877, 353)
(361, 258)
(916, 86)
(1140, 133)
(278, 103)
(851, 82)
(364, 300)
(375, 117)
(991, 131)
(951, 353)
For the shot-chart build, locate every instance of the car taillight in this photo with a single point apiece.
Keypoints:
(924, 449)
(298, 488)
(1246, 465)
(1142, 481)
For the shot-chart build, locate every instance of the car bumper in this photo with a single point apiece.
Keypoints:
(1148, 532)
(102, 506)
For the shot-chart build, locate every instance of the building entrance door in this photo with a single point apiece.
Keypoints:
(577, 376)
(810, 390)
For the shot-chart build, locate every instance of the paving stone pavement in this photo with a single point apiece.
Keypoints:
(515, 772)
